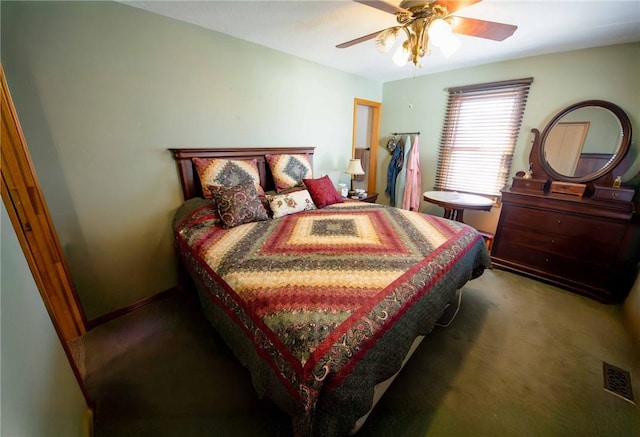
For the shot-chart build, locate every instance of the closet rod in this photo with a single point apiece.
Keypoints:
(406, 133)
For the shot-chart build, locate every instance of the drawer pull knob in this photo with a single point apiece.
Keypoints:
(553, 241)
(615, 195)
(559, 221)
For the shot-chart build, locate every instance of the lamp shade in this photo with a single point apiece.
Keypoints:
(354, 167)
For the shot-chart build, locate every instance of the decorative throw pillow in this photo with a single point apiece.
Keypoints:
(238, 204)
(289, 170)
(290, 203)
(226, 173)
(322, 191)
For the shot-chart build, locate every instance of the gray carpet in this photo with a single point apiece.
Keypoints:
(522, 358)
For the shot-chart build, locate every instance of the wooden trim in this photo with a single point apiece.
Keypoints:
(34, 227)
(36, 233)
(135, 306)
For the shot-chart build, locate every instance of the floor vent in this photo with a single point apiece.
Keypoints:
(617, 381)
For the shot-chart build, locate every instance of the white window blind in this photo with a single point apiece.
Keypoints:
(480, 131)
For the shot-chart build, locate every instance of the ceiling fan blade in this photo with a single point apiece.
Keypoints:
(483, 29)
(455, 5)
(383, 6)
(358, 40)
(377, 4)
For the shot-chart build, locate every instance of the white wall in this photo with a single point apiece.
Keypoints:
(103, 90)
(39, 393)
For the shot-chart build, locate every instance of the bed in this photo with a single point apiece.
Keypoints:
(321, 305)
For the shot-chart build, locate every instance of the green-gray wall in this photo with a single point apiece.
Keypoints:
(607, 73)
(632, 313)
(103, 89)
(39, 394)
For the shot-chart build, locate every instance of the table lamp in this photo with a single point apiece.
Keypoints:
(354, 169)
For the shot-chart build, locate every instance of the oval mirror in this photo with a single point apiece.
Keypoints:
(585, 141)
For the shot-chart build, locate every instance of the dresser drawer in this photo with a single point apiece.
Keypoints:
(599, 253)
(615, 194)
(520, 183)
(566, 225)
(582, 271)
(586, 245)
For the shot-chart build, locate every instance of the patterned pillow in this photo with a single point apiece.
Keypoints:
(322, 191)
(226, 173)
(290, 203)
(289, 170)
(238, 204)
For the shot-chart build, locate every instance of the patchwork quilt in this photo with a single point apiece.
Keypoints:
(322, 305)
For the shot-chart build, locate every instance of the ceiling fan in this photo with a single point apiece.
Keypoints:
(425, 22)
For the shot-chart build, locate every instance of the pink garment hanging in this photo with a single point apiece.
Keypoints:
(402, 174)
(413, 183)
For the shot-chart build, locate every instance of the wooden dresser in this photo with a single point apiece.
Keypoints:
(568, 223)
(583, 245)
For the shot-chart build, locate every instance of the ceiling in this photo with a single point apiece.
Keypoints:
(311, 30)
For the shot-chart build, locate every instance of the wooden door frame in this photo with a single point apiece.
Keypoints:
(373, 142)
(27, 209)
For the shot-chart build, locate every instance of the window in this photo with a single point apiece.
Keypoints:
(480, 130)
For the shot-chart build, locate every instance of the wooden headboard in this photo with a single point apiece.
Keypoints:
(189, 178)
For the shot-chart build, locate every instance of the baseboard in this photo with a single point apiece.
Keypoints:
(137, 305)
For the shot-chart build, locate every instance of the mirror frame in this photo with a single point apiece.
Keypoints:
(625, 125)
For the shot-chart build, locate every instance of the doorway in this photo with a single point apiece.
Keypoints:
(366, 129)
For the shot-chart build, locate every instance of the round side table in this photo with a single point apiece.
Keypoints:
(455, 203)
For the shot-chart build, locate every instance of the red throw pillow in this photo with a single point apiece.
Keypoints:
(322, 191)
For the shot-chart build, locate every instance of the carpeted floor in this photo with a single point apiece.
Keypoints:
(521, 358)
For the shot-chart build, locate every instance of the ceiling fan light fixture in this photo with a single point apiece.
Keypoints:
(449, 46)
(386, 39)
(439, 32)
(401, 56)
(428, 22)
(441, 35)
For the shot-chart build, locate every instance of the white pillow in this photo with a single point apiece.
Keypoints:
(290, 203)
